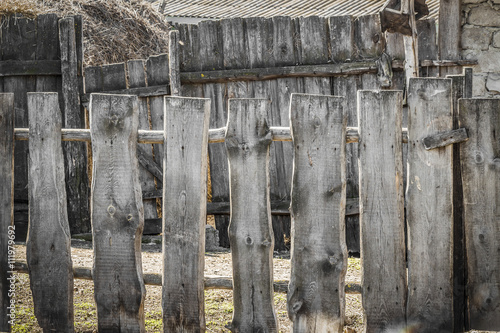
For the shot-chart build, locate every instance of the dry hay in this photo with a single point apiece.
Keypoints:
(114, 31)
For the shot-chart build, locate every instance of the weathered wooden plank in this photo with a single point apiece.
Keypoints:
(341, 38)
(383, 248)
(114, 77)
(234, 44)
(250, 231)
(427, 45)
(429, 208)
(48, 247)
(481, 187)
(189, 49)
(369, 39)
(259, 40)
(173, 63)
(47, 49)
(313, 40)
(184, 213)
(394, 46)
(319, 253)
(211, 49)
(6, 205)
(444, 139)
(30, 67)
(283, 51)
(75, 153)
(93, 79)
(137, 78)
(449, 35)
(117, 213)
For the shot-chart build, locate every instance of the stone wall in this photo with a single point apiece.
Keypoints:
(481, 41)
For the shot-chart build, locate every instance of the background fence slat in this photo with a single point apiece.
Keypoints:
(383, 249)
(481, 185)
(341, 38)
(117, 213)
(7, 202)
(184, 213)
(248, 138)
(429, 208)
(48, 247)
(319, 254)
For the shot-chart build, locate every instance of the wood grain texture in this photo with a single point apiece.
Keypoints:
(481, 187)
(313, 40)
(48, 246)
(184, 213)
(341, 33)
(75, 153)
(250, 231)
(383, 248)
(427, 45)
(444, 139)
(429, 208)
(117, 213)
(449, 35)
(319, 253)
(369, 39)
(6, 200)
(173, 63)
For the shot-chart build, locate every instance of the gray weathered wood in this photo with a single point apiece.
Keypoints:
(75, 154)
(30, 67)
(7, 202)
(341, 38)
(47, 50)
(449, 35)
(380, 116)
(319, 253)
(184, 213)
(410, 42)
(234, 44)
(444, 139)
(117, 213)
(429, 208)
(481, 186)
(48, 247)
(250, 231)
(313, 40)
(427, 45)
(368, 37)
(173, 63)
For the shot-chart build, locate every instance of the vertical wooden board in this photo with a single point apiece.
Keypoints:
(383, 253)
(319, 254)
(184, 213)
(429, 197)
(6, 203)
(47, 48)
(173, 63)
(449, 35)
(341, 38)
(189, 48)
(75, 153)
(248, 138)
(427, 45)
(284, 51)
(117, 213)
(114, 77)
(48, 247)
(93, 79)
(481, 184)
(137, 78)
(369, 40)
(395, 45)
(234, 43)
(211, 50)
(259, 37)
(313, 40)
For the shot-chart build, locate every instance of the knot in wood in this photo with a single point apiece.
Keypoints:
(111, 210)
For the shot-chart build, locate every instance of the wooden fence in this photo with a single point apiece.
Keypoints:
(418, 293)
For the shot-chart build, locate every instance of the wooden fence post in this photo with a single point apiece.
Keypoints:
(429, 208)
(480, 159)
(7, 201)
(380, 116)
(319, 253)
(248, 138)
(184, 212)
(48, 247)
(117, 213)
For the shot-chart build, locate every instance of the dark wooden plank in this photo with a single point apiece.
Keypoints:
(117, 213)
(47, 49)
(30, 67)
(341, 38)
(184, 213)
(369, 39)
(6, 208)
(114, 77)
(319, 254)
(250, 231)
(313, 40)
(430, 208)
(75, 153)
(211, 49)
(93, 79)
(173, 63)
(137, 78)
(234, 44)
(383, 248)
(259, 40)
(449, 35)
(48, 247)
(283, 42)
(189, 48)
(481, 187)
(427, 46)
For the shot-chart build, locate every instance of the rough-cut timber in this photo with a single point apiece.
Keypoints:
(250, 231)
(450, 24)
(444, 139)
(48, 247)
(480, 159)
(319, 253)
(117, 213)
(380, 116)
(429, 208)
(173, 63)
(341, 38)
(6, 200)
(184, 213)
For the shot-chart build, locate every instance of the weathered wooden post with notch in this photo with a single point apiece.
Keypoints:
(248, 138)
(319, 252)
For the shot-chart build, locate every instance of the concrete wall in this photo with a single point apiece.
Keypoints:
(481, 41)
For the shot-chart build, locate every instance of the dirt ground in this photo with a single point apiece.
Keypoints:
(218, 303)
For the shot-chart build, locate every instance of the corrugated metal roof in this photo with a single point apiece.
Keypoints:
(266, 8)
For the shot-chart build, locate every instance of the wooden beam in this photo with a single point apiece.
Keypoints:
(445, 138)
(30, 67)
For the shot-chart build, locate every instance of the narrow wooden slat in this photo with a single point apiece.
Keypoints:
(47, 50)
(48, 246)
(368, 37)
(6, 203)
(184, 213)
(449, 35)
(173, 63)
(341, 38)
(250, 230)
(117, 213)
(319, 253)
(427, 46)
(429, 208)
(75, 154)
(383, 248)
(481, 186)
